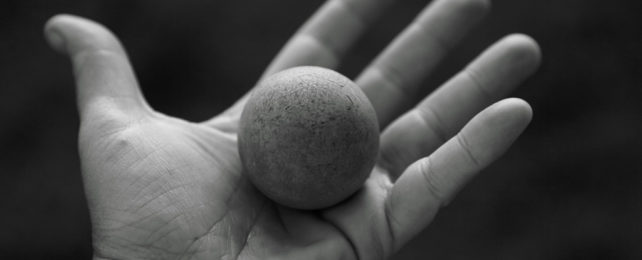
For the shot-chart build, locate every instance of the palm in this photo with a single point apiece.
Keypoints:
(161, 187)
(182, 193)
(176, 188)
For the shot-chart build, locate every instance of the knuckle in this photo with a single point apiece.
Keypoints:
(468, 152)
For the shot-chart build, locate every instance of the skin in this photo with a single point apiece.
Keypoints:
(308, 138)
(161, 187)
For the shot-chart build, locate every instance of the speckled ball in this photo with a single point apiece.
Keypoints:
(308, 137)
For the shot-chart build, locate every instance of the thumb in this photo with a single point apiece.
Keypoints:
(105, 81)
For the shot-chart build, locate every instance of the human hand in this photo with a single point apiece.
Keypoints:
(162, 187)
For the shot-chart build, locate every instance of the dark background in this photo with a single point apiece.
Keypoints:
(570, 188)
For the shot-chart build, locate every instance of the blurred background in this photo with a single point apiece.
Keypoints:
(570, 188)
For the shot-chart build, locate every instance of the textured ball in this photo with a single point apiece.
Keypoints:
(308, 137)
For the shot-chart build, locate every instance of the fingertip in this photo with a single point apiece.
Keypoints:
(524, 49)
(507, 63)
(512, 113)
(482, 6)
(473, 8)
(71, 34)
(66, 22)
(521, 107)
(490, 133)
(52, 32)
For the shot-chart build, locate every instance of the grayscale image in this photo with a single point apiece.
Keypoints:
(321, 129)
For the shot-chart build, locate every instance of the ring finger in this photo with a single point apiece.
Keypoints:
(395, 75)
(438, 117)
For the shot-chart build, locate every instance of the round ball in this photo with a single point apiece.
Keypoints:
(308, 137)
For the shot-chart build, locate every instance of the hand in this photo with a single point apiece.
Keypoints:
(162, 187)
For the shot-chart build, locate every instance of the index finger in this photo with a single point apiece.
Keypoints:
(328, 34)
(323, 39)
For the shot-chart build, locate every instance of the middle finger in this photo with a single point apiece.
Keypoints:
(395, 75)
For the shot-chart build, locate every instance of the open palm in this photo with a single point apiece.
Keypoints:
(162, 187)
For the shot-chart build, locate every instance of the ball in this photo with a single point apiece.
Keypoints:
(308, 137)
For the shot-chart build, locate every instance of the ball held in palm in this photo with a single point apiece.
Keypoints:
(308, 137)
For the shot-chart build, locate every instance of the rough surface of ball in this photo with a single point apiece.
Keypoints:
(308, 137)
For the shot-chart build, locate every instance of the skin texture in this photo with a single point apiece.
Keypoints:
(159, 187)
(308, 137)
